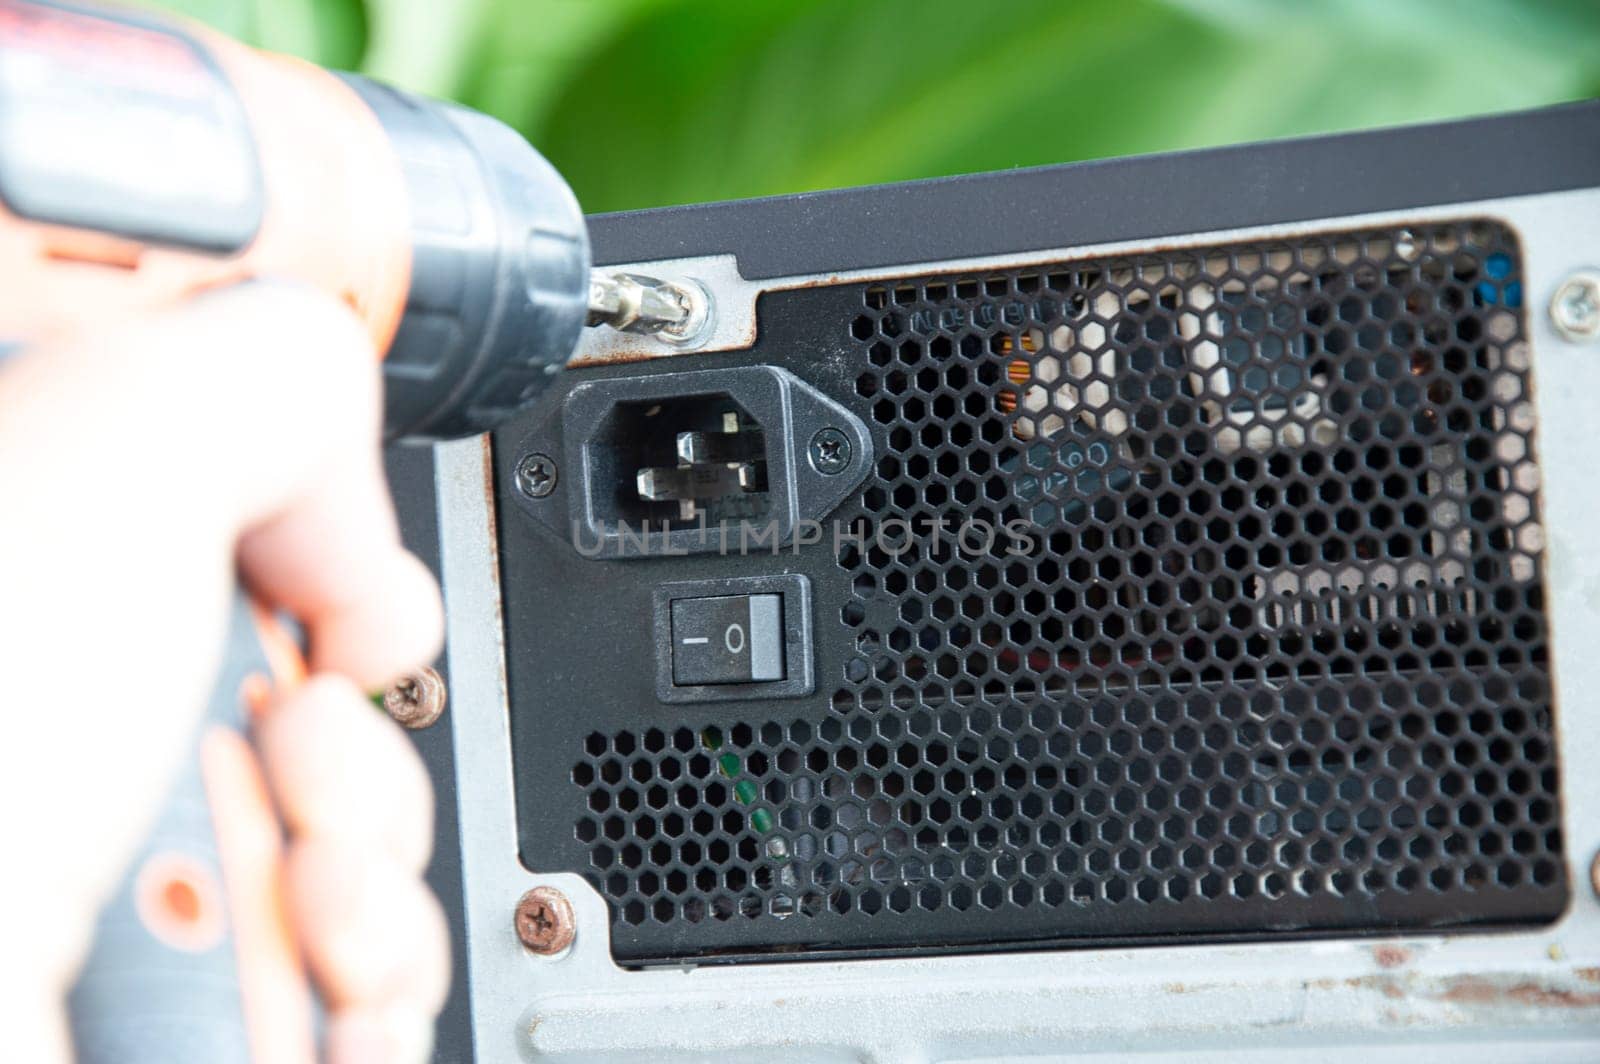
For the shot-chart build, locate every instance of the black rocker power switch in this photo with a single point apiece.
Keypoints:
(727, 639)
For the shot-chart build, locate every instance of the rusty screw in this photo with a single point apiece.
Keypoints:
(416, 700)
(545, 923)
(536, 475)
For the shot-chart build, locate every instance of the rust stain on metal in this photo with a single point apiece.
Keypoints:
(1474, 990)
(620, 353)
(1553, 997)
(1387, 985)
(1576, 990)
(1391, 956)
(494, 530)
(622, 357)
(1481, 992)
(493, 521)
(1471, 991)
(833, 279)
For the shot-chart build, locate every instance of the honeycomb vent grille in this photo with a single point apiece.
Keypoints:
(1198, 592)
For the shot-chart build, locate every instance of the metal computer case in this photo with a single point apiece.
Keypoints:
(1534, 232)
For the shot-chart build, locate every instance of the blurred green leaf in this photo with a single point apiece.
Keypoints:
(647, 102)
(330, 32)
(720, 98)
(522, 61)
(425, 45)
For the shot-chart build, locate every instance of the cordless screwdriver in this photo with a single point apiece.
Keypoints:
(144, 160)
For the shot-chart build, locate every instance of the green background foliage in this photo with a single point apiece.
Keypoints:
(649, 102)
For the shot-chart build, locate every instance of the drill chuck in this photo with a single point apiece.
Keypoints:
(499, 269)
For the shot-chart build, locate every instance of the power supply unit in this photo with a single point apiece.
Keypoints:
(1136, 606)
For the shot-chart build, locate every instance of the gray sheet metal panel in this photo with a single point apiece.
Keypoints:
(1465, 996)
(1548, 150)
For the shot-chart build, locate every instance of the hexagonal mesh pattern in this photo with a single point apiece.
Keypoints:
(1197, 592)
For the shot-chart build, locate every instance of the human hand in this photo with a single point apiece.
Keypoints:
(143, 466)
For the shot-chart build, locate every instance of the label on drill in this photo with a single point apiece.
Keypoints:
(113, 124)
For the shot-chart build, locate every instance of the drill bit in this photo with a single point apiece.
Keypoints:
(677, 313)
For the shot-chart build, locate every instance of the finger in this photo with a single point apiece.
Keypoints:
(332, 557)
(342, 770)
(373, 935)
(371, 609)
(393, 1035)
(330, 552)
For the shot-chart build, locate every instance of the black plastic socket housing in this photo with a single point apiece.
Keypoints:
(606, 430)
